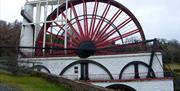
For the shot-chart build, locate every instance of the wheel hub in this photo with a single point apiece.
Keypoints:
(86, 49)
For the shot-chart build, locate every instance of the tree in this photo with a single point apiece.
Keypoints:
(171, 50)
(9, 36)
(9, 41)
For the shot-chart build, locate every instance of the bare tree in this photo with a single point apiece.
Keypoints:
(171, 50)
(9, 37)
(9, 40)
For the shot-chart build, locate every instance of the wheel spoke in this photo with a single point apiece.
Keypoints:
(56, 35)
(118, 37)
(97, 29)
(71, 26)
(85, 19)
(61, 38)
(53, 44)
(90, 21)
(74, 39)
(122, 46)
(77, 21)
(107, 35)
(93, 20)
(108, 25)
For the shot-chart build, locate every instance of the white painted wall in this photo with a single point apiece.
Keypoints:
(114, 63)
(153, 85)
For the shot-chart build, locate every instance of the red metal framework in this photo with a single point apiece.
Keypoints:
(92, 24)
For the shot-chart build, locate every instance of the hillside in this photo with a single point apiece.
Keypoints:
(27, 83)
(175, 69)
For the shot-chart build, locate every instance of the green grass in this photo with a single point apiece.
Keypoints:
(175, 67)
(29, 83)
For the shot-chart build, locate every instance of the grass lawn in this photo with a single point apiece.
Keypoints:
(29, 83)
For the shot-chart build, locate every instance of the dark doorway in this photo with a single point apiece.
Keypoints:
(120, 87)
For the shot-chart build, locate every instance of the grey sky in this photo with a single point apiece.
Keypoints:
(159, 18)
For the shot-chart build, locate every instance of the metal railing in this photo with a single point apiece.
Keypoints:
(30, 52)
(125, 76)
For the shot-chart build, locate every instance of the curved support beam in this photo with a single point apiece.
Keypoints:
(39, 67)
(135, 63)
(87, 61)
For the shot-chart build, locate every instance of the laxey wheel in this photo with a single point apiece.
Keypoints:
(94, 27)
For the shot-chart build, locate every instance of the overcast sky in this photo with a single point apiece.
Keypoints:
(159, 18)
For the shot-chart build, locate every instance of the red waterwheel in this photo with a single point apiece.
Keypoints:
(92, 25)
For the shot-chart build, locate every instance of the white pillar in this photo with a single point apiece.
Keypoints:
(37, 25)
(45, 17)
(66, 26)
(26, 37)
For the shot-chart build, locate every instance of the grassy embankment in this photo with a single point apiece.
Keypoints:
(175, 68)
(28, 83)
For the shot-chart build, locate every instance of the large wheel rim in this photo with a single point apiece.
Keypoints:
(102, 23)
